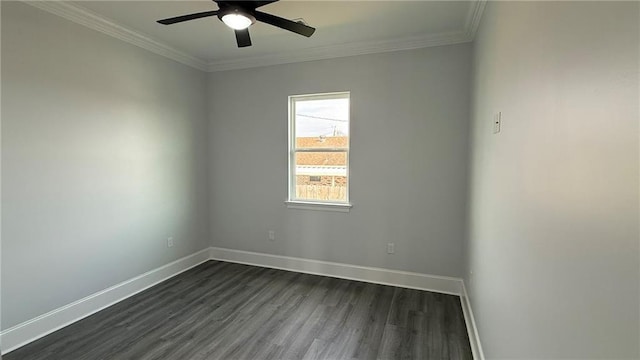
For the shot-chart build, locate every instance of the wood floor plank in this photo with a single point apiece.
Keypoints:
(222, 310)
(316, 349)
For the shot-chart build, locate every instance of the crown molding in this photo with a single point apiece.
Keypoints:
(473, 18)
(468, 33)
(96, 22)
(340, 50)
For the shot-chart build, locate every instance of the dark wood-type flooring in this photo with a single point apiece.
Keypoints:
(222, 310)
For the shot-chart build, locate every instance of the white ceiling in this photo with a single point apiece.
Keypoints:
(343, 28)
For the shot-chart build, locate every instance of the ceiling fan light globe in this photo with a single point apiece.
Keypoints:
(237, 21)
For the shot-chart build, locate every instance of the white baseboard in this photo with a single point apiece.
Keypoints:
(472, 330)
(45, 324)
(441, 284)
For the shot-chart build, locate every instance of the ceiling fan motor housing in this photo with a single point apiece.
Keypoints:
(236, 10)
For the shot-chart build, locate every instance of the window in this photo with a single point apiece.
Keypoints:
(319, 149)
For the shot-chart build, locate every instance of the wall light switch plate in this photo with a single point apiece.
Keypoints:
(497, 122)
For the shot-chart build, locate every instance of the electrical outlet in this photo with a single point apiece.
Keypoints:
(272, 235)
(391, 248)
(170, 242)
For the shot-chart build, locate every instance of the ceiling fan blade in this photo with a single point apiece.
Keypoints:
(243, 38)
(182, 18)
(257, 4)
(283, 23)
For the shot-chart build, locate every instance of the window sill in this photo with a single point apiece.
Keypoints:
(304, 205)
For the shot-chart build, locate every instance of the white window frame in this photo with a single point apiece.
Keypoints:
(305, 204)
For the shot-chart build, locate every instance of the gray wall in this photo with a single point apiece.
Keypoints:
(408, 160)
(553, 242)
(104, 149)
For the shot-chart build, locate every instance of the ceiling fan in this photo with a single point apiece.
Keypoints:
(239, 15)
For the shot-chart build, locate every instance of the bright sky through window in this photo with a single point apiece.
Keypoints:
(325, 117)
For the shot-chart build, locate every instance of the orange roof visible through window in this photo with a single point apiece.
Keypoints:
(320, 158)
(324, 141)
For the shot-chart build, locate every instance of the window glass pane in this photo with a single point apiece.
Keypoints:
(321, 176)
(322, 123)
(319, 148)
